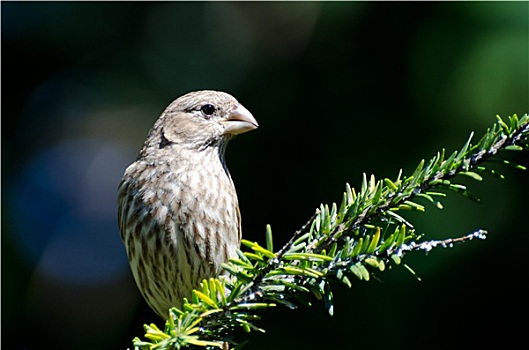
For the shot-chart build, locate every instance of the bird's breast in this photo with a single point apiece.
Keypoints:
(193, 203)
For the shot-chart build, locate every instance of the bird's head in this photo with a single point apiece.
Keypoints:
(200, 119)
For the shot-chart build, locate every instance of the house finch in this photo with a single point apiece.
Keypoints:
(178, 211)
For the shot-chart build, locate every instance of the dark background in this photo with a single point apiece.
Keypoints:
(338, 89)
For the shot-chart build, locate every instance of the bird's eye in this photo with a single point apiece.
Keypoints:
(208, 109)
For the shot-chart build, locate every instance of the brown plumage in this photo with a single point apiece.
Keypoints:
(178, 211)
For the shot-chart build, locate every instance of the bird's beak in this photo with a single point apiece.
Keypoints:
(239, 121)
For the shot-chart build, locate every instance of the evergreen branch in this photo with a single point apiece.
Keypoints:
(365, 233)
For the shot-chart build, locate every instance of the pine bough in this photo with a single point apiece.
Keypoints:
(339, 243)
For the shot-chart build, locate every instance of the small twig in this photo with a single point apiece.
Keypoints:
(445, 243)
(296, 235)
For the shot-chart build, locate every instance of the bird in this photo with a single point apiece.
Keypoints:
(178, 211)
